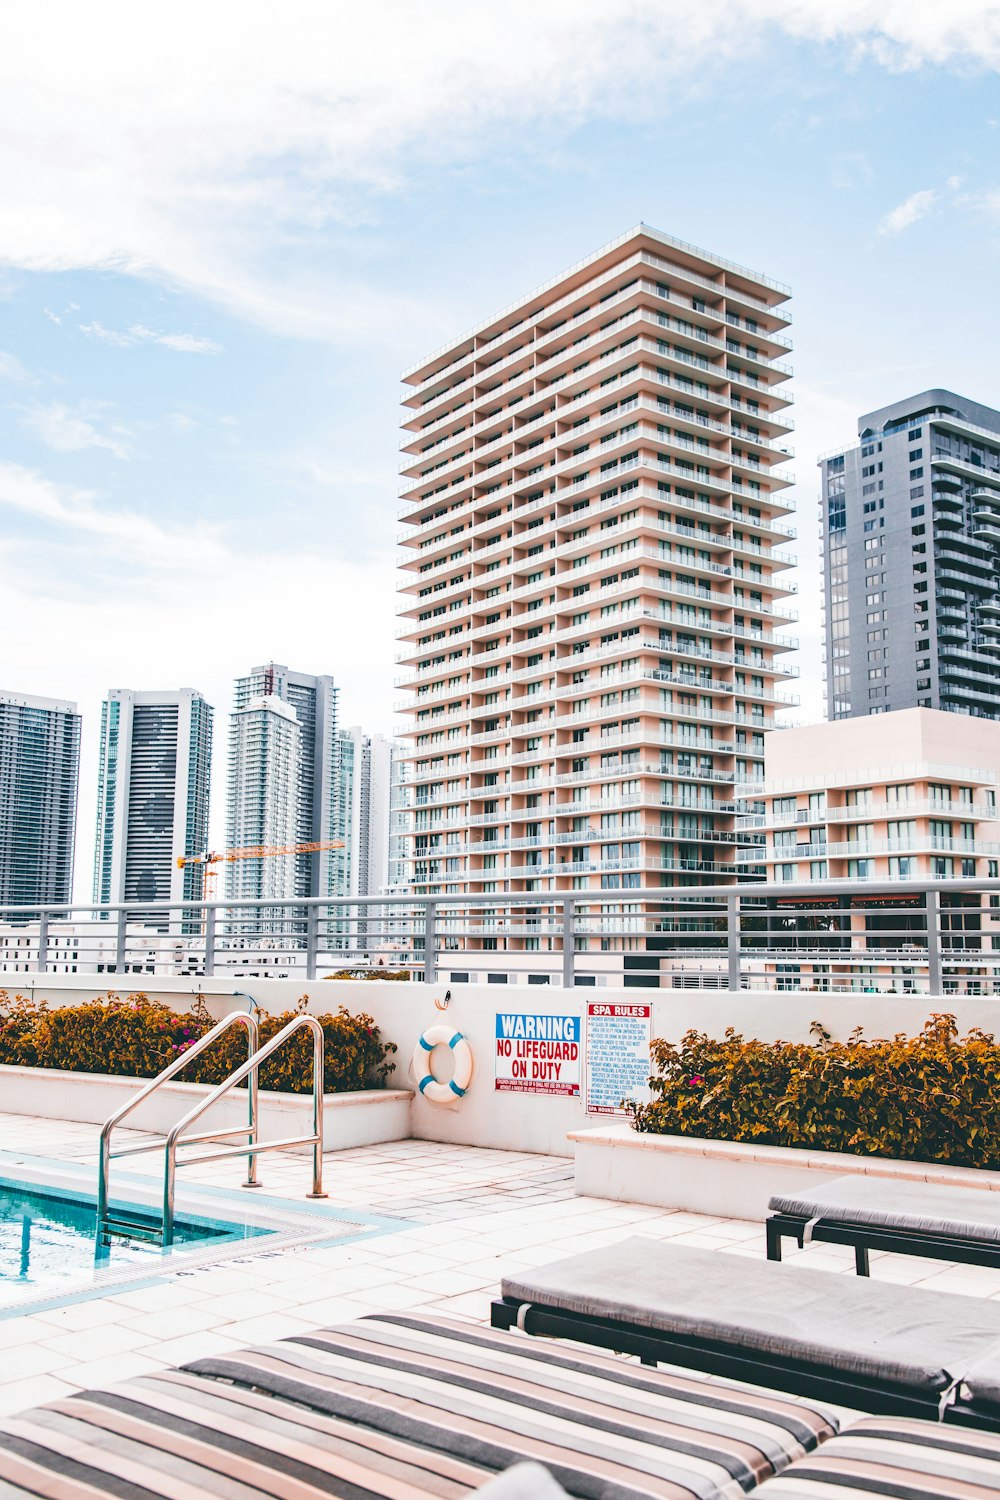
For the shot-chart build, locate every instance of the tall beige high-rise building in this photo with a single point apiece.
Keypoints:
(594, 551)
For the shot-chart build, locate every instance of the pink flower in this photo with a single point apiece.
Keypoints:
(697, 1078)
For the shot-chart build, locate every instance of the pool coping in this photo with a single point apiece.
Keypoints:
(306, 1224)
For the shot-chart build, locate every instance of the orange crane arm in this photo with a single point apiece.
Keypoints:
(256, 851)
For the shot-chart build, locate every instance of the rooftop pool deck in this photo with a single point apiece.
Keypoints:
(410, 1226)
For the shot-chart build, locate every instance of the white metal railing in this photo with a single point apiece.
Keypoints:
(842, 933)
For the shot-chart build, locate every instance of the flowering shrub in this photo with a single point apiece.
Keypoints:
(138, 1037)
(375, 973)
(933, 1097)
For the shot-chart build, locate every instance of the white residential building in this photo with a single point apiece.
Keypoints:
(364, 812)
(265, 767)
(313, 700)
(884, 797)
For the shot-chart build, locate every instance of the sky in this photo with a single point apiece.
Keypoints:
(226, 230)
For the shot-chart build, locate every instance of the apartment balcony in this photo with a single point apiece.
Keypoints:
(918, 844)
(765, 526)
(648, 833)
(959, 549)
(568, 406)
(476, 347)
(965, 571)
(987, 696)
(653, 768)
(569, 868)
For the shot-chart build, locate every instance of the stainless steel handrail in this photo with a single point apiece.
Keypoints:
(248, 1069)
(235, 1018)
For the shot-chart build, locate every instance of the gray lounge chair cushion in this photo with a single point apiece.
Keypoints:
(523, 1482)
(896, 1458)
(898, 1334)
(983, 1378)
(924, 1208)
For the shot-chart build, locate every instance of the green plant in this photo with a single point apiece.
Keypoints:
(138, 1037)
(370, 974)
(932, 1097)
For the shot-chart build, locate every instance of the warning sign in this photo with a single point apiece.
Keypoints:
(617, 1055)
(538, 1054)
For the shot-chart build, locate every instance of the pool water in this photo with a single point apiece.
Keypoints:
(48, 1241)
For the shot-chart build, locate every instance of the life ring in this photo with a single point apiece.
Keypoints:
(456, 1087)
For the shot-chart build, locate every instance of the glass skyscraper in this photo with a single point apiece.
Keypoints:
(153, 795)
(39, 777)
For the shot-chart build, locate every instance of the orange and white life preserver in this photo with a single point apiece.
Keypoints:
(465, 1063)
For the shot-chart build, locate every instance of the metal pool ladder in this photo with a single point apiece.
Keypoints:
(110, 1223)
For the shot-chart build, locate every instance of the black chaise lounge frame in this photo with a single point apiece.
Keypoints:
(866, 1237)
(713, 1357)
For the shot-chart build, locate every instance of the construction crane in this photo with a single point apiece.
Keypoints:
(255, 851)
(212, 857)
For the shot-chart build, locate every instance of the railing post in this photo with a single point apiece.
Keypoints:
(568, 942)
(734, 938)
(318, 1087)
(312, 940)
(43, 941)
(935, 976)
(208, 968)
(253, 1095)
(121, 934)
(430, 942)
(169, 1191)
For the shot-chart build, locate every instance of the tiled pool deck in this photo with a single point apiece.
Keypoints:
(451, 1220)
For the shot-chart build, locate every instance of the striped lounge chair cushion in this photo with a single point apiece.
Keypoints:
(393, 1408)
(603, 1427)
(898, 1458)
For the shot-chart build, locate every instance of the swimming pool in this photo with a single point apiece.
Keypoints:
(48, 1241)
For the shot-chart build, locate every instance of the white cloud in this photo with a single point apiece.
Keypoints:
(68, 430)
(915, 207)
(202, 153)
(106, 335)
(121, 536)
(188, 343)
(181, 343)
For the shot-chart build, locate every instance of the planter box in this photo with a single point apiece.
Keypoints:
(361, 1119)
(725, 1178)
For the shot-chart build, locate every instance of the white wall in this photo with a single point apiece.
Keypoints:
(524, 1122)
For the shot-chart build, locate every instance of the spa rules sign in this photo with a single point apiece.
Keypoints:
(618, 1065)
(538, 1054)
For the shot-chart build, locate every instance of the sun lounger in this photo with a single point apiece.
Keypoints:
(878, 1213)
(895, 1350)
(407, 1407)
(400, 1406)
(897, 1459)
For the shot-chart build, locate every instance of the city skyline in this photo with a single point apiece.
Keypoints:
(197, 403)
